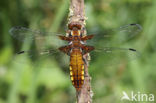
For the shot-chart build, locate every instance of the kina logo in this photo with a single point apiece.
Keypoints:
(138, 96)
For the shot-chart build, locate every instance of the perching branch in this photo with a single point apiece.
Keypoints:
(77, 14)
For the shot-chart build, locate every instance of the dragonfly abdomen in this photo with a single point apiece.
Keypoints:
(77, 69)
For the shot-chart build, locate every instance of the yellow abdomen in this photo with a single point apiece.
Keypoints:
(77, 68)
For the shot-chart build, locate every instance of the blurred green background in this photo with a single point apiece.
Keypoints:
(47, 80)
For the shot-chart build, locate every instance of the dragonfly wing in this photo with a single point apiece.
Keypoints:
(112, 55)
(116, 36)
(127, 32)
(34, 54)
(24, 34)
(38, 43)
(41, 55)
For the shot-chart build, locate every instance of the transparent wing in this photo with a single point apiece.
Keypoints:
(41, 55)
(24, 55)
(116, 36)
(40, 44)
(35, 54)
(129, 30)
(111, 55)
(24, 34)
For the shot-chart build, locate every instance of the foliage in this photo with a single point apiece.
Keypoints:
(47, 80)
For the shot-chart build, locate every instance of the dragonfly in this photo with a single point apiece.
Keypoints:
(76, 45)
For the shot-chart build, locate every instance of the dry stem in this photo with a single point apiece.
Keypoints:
(77, 14)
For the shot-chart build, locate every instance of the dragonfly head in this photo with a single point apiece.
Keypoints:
(74, 25)
(75, 28)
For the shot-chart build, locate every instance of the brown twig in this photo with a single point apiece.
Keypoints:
(77, 14)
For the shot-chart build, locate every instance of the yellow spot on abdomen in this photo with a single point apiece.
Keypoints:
(71, 73)
(82, 67)
(71, 78)
(82, 77)
(82, 72)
